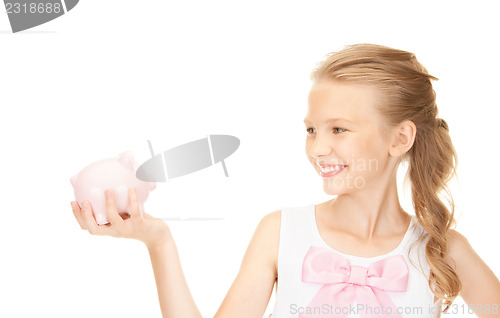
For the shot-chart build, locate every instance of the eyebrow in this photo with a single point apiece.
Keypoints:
(330, 120)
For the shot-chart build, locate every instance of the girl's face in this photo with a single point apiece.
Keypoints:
(344, 142)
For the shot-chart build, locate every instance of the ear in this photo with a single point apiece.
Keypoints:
(403, 138)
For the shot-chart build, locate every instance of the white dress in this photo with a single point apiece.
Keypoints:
(299, 232)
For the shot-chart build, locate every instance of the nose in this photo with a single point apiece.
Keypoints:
(319, 147)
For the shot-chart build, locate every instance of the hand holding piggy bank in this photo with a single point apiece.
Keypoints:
(114, 173)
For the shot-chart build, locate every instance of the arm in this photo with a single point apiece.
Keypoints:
(251, 290)
(173, 291)
(175, 298)
(249, 295)
(480, 286)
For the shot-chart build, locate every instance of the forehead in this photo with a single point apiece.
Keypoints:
(331, 99)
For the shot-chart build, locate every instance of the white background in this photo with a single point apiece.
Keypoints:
(110, 75)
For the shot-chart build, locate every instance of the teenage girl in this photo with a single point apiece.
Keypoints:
(360, 254)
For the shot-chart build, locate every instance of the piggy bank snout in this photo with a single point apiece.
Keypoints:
(72, 180)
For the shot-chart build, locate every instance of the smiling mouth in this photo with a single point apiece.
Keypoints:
(331, 170)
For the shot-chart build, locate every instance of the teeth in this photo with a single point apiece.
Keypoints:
(331, 168)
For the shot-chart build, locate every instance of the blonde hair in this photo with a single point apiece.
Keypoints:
(407, 94)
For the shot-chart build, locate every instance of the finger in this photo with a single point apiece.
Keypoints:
(111, 210)
(78, 214)
(90, 222)
(135, 209)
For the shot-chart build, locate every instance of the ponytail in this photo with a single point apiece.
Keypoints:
(432, 164)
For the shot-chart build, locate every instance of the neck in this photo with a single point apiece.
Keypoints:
(370, 211)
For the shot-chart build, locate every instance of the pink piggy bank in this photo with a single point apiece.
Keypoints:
(114, 173)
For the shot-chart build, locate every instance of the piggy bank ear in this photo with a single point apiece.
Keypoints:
(127, 159)
(73, 180)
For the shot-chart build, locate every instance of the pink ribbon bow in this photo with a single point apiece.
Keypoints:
(344, 283)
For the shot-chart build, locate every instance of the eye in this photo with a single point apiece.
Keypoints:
(338, 130)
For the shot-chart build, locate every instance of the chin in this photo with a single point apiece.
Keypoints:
(332, 190)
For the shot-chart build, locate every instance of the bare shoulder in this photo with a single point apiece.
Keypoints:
(479, 283)
(458, 248)
(458, 245)
(458, 242)
(271, 221)
(268, 234)
(268, 230)
(457, 237)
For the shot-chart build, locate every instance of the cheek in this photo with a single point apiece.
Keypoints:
(307, 148)
(367, 155)
(309, 144)
(308, 153)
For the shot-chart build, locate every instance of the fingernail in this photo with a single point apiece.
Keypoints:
(108, 194)
(84, 206)
(132, 190)
(73, 205)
